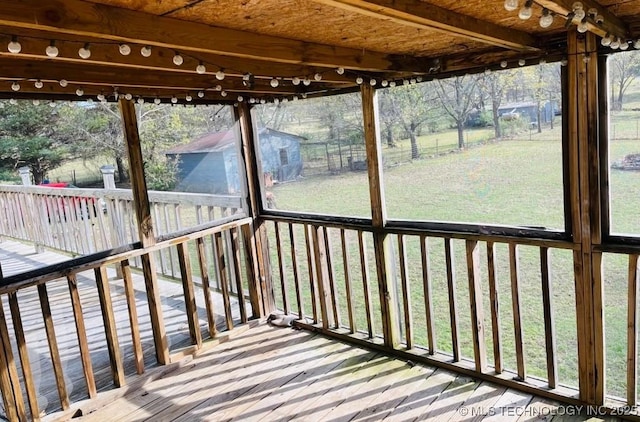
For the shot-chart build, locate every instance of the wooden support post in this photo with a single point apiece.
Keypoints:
(145, 228)
(632, 332)
(382, 243)
(584, 79)
(262, 278)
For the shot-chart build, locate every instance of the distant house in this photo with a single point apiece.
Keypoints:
(529, 110)
(210, 163)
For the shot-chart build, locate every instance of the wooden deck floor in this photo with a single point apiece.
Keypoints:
(280, 374)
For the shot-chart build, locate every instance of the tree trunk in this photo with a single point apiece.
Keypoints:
(496, 123)
(415, 154)
(618, 104)
(122, 174)
(460, 134)
(539, 119)
(389, 136)
(38, 175)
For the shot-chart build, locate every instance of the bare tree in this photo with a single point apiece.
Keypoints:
(624, 68)
(456, 97)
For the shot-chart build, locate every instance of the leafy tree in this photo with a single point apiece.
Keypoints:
(30, 135)
(624, 68)
(457, 98)
(494, 85)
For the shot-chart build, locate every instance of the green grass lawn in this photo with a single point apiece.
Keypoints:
(513, 182)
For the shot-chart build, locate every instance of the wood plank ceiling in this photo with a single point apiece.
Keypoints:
(270, 49)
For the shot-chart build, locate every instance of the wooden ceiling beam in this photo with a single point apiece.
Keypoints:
(423, 15)
(80, 18)
(612, 24)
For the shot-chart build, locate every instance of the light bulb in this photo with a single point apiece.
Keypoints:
(124, 49)
(15, 86)
(220, 75)
(384, 83)
(340, 71)
(317, 77)
(521, 62)
(177, 59)
(504, 64)
(188, 97)
(36, 102)
(223, 93)
(413, 81)
(274, 83)
(579, 14)
(84, 52)
(128, 96)
(606, 40)
(174, 100)
(263, 101)
(405, 82)
(14, 46)
(240, 99)
(624, 45)
(306, 81)
(392, 84)
(63, 83)
(145, 51)
(218, 87)
(13, 101)
(526, 11)
(79, 92)
(52, 103)
(101, 97)
(200, 94)
(546, 19)
(304, 95)
(419, 78)
(636, 44)
(511, 5)
(373, 82)
(38, 84)
(359, 80)
(582, 26)
(599, 19)
(564, 61)
(52, 50)
(276, 101)
(156, 101)
(285, 100)
(295, 80)
(246, 76)
(140, 100)
(615, 43)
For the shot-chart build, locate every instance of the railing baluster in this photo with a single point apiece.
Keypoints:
(426, 287)
(7, 353)
(347, 281)
(475, 299)
(222, 274)
(157, 227)
(494, 300)
(206, 289)
(517, 317)
(115, 357)
(296, 270)
(53, 346)
(328, 245)
(453, 305)
(130, 295)
(237, 271)
(632, 332)
(364, 266)
(312, 271)
(322, 276)
(281, 270)
(167, 230)
(406, 295)
(18, 329)
(189, 294)
(549, 324)
(81, 332)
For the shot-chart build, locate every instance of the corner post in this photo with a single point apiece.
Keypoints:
(145, 227)
(586, 213)
(260, 286)
(382, 243)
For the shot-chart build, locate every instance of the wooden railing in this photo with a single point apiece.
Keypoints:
(501, 323)
(233, 252)
(85, 221)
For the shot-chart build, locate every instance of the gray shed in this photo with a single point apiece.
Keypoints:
(210, 164)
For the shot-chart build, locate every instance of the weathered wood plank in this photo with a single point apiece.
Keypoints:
(494, 300)
(347, 282)
(234, 250)
(406, 292)
(477, 311)
(311, 267)
(222, 275)
(281, 269)
(253, 274)
(333, 296)
(206, 288)
(296, 270)
(111, 331)
(10, 363)
(189, 294)
(549, 321)
(517, 316)
(632, 331)
(322, 276)
(364, 267)
(130, 296)
(426, 288)
(453, 302)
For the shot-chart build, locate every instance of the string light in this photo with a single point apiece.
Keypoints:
(36, 102)
(223, 93)
(13, 101)
(15, 86)
(274, 83)
(392, 84)
(521, 62)
(38, 84)
(52, 50)
(578, 11)
(317, 77)
(80, 92)
(526, 11)
(52, 103)
(220, 75)
(128, 96)
(174, 100)
(63, 83)
(636, 45)
(101, 97)
(188, 97)
(359, 80)
(200, 94)
(157, 101)
(340, 71)
(504, 64)
(384, 83)
(14, 45)
(140, 100)
(240, 98)
(511, 5)
(85, 51)
(145, 51)
(624, 45)
(306, 81)
(295, 80)
(582, 26)
(124, 49)
(218, 87)
(373, 82)
(546, 20)
(606, 40)
(177, 59)
(615, 43)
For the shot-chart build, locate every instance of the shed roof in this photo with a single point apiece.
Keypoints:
(255, 41)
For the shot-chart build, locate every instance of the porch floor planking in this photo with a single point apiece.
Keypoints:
(280, 374)
(16, 257)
